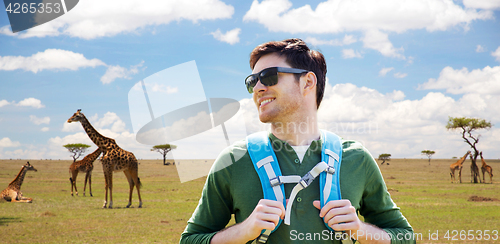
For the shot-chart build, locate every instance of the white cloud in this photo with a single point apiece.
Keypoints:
(463, 81)
(480, 49)
(50, 59)
(386, 123)
(163, 88)
(71, 127)
(109, 125)
(410, 59)
(347, 40)
(482, 4)
(400, 75)
(6, 142)
(335, 16)
(396, 95)
(116, 71)
(379, 41)
(45, 129)
(350, 53)
(384, 71)
(57, 59)
(4, 103)
(111, 120)
(374, 18)
(54, 148)
(231, 37)
(93, 18)
(31, 102)
(39, 121)
(496, 54)
(5, 30)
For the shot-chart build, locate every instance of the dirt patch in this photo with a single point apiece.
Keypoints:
(481, 199)
(391, 178)
(47, 214)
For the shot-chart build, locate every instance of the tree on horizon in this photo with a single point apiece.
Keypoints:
(384, 157)
(467, 126)
(163, 150)
(77, 149)
(429, 154)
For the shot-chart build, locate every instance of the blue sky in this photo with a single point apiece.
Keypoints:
(396, 70)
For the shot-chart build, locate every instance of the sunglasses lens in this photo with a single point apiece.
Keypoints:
(250, 82)
(269, 77)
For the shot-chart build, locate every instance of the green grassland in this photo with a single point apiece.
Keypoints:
(424, 193)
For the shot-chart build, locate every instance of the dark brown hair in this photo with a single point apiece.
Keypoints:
(297, 55)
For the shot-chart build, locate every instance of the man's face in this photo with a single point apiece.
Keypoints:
(281, 102)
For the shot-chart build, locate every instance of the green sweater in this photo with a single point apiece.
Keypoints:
(233, 187)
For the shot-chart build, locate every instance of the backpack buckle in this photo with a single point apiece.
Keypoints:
(330, 170)
(306, 180)
(263, 238)
(275, 181)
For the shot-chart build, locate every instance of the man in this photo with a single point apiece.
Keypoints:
(288, 99)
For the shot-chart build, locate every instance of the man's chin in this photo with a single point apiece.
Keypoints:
(264, 119)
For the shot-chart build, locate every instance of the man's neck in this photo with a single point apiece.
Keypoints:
(297, 133)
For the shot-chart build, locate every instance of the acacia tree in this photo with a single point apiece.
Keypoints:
(77, 149)
(163, 150)
(429, 154)
(467, 127)
(384, 157)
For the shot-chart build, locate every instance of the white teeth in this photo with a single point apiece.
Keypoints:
(266, 102)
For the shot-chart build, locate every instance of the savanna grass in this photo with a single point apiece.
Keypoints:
(424, 192)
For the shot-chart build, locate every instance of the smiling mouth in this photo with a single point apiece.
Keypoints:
(267, 101)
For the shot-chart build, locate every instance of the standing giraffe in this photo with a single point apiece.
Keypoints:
(474, 169)
(13, 192)
(86, 165)
(486, 168)
(114, 159)
(458, 166)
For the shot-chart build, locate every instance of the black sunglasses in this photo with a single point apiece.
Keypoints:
(269, 76)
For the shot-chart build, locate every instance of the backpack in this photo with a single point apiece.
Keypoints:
(267, 167)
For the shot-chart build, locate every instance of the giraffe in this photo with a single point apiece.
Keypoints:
(474, 169)
(458, 166)
(85, 165)
(114, 159)
(486, 168)
(13, 192)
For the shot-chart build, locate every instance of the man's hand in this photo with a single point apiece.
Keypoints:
(266, 215)
(340, 215)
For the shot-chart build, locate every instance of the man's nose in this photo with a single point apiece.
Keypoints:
(259, 87)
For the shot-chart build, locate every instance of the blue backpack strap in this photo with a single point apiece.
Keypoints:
(331, 153)
(266, 165)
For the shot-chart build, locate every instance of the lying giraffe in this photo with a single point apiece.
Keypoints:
(13, 192)
(86, 165)
(458, 166)
(114, 159)
(486, 168)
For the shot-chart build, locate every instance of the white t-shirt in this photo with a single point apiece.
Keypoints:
(300, 151)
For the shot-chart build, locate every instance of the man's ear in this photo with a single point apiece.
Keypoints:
(310, 83)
